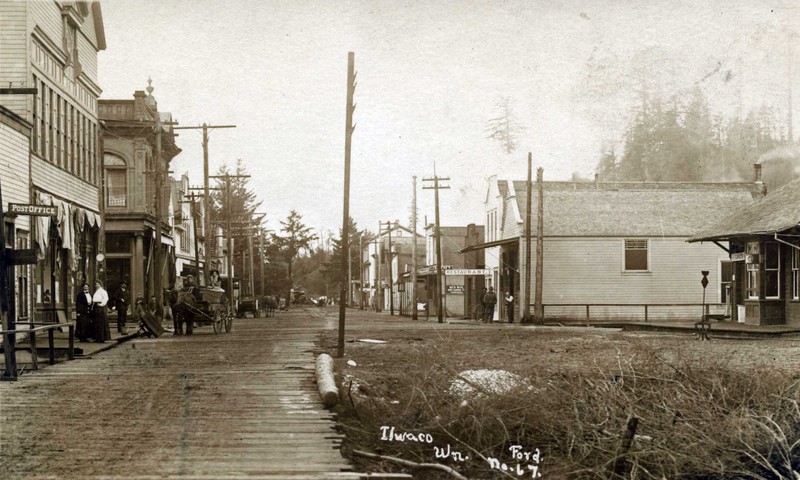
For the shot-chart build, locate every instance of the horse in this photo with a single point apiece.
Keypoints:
(270, 304)
(184, 306)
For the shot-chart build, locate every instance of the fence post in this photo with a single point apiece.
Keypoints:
(645, 313)
(71, 349)
(587, 313)
(34, 359)
(52, 344)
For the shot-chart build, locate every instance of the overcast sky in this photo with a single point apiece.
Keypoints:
(430, 76)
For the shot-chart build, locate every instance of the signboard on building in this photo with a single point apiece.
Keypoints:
(468, 271)
(455, 289)
(738, 257)
(35, 210)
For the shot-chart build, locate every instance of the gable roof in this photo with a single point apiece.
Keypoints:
(673, 209)
(773, 213)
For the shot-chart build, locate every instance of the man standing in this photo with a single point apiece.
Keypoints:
(121, 300)
(489, 301)
(510, 307)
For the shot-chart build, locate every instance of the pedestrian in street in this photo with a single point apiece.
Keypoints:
(120, 301)
(489, 301)
(83, 311)
(509, 299)
(102, 332)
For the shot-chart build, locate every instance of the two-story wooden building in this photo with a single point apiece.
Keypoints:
(53, 46)
(131, 164)
(611, 248)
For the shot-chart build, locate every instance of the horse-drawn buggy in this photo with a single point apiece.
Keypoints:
(204, 306)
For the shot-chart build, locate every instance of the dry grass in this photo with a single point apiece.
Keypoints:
(705, 410)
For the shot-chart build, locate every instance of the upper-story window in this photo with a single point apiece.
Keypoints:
(116, 180)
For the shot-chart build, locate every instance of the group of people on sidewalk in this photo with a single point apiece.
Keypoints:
(489, 300)
(92, 312)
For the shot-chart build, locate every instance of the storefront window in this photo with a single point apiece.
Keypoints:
(772, 262)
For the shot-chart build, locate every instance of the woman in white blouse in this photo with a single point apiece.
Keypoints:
(102, 332)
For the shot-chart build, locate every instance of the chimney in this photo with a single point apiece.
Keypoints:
(761, 189)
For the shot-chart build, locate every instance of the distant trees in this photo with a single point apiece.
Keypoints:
(504, 127)
(296, 237)
(679, 139)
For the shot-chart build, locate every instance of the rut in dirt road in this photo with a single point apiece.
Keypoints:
(237, 405)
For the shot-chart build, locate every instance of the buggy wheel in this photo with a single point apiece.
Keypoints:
(228, 323)
(217, 321)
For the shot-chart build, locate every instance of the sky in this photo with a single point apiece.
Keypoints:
(430, 76)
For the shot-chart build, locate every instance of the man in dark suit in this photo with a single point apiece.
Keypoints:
(83, 310)
(121, 300)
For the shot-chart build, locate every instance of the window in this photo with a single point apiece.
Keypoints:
(752, 271)
(636, 256)
(725, 279)
(796, 273)
(116, 181)
(772, 266)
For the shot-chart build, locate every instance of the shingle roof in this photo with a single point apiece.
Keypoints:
(776, 212)
(633, 208)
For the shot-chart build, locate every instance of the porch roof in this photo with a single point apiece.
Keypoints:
(776, 212)
(496, 243)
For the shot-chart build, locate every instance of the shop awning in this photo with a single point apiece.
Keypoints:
(496, 243)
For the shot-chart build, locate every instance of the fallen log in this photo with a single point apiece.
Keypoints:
(409, 463)
(325, 382)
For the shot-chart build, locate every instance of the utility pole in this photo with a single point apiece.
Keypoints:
(391, 279)
(378, 278)
(348, 136)
(538, 309)
(158, 262)
(414, 251)
(436, 187)
(193, 201)
(361, 271)
(262, 259)
(227, 179)
(526, 313)
(207, 198)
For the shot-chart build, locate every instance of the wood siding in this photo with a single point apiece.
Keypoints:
(47, 16)
(51, 179)
(14, 166)
(14, 53)
(511, 226)
(590, 270)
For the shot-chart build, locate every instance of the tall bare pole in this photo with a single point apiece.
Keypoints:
(389, 261)
(789, 55)
(207, 230)
(348, 134)
(6, 297)
(158, 260)
(526, 313)
(361, 271)
(229, 226)
(538, 309)
(262, 260)
(414, 252)
(439, 283)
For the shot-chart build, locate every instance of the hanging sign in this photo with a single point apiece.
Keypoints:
(34, 210)
(468, 271)
(455, 289)
(738, 257)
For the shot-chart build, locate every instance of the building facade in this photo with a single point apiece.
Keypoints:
(462, 284)
(53, 47)
(610, 248)
(133, 158)
(760, 241)
(187, 227)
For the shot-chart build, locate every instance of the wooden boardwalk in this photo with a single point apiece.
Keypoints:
(229, 406)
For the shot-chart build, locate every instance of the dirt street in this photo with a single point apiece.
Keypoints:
(235, 405)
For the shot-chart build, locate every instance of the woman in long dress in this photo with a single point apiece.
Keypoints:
(102, 332)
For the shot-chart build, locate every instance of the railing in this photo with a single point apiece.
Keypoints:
(645, 306)
(50, 329)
